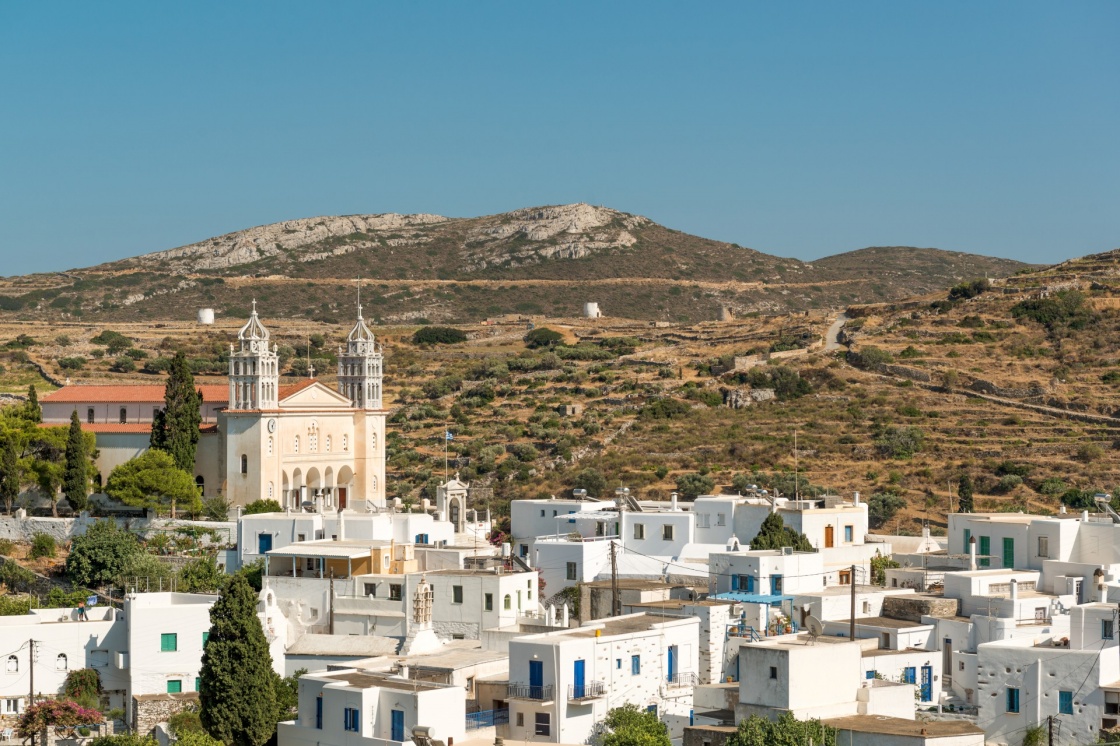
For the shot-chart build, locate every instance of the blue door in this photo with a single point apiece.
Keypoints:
(672, 663)
(397, 725)
(536, 679)
(578, 689)
(264, 543)
(927, 683)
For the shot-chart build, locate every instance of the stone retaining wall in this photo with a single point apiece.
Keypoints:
(149, 710)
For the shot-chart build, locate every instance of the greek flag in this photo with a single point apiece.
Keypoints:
(447, 435)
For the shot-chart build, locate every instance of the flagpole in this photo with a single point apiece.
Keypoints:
(445, 432)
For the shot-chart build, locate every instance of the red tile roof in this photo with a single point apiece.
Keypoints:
(294, 388)
(214, 393)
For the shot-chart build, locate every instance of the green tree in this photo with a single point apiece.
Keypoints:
(83, 685)
(882, 507)
(543, 337)
(201, 575)
(9, 469)
(629, 726)
(775, 534)
(152, 480)
(287, 695)
(34, 410)
(42, 545)
(101, 554)
(964, 494)
(592, 480)
(44, 458)
(75, 478)
(175, 427)
(262, 506)
(692, 486)
(237, 692)
(438, 335)
(785, 731)
(879, 567)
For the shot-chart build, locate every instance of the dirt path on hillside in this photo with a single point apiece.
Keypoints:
(832, 336)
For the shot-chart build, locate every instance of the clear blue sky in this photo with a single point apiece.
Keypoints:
(799, 129)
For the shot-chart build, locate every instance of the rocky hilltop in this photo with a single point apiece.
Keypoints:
(535, 260)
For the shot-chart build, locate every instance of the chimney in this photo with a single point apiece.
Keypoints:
(1084, 516)
(855, 495)
(673, 501)
(1014, 590)
(402, 671)
(564, 615)
(972, 553)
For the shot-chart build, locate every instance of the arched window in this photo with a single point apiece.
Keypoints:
(89, 415)
(295, 448)
(13, 664)
(507, 603)
(60, 662)
(124, 415)
(200, 482)
(244, 464)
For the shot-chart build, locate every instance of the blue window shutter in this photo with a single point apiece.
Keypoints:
(750, 584)
(734, 582)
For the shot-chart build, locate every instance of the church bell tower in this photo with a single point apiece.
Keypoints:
(359, 367)
(254, 369)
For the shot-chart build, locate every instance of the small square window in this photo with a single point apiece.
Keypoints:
(489, 601)
(394, 591)
(542, 513)
(618, 663)
(571, 571)
(1106, 629)
(168, 642)
(543, 723)
(639, 531)
(456, 594)
(371, 589)
(667, 532)
(774, 672)
(635, 665)
(521, 720)
(174, 686)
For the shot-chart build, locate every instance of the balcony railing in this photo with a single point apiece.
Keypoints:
(540, 693)
(589, 690)
(487, 719)
(684, 678)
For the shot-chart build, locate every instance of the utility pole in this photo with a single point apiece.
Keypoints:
(31, 670)
(332, 602)
(1050, 729)
(852, 622)
(616, 600)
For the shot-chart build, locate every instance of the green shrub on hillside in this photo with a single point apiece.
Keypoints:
(438, 335)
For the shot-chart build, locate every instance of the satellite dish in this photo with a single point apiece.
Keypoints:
(814, 627)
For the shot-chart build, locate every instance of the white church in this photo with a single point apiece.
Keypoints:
(305, 445)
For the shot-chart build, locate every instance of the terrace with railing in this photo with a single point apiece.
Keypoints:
(535, 692)
(586, 691)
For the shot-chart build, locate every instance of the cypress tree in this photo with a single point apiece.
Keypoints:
(237, 692)
(34, 411)
(9, 471)
(175, 427)
(75, 478)
(964, 495)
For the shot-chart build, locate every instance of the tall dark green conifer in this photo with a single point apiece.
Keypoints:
(175, 427)
(964, 495)
(75, 478)
(34, 411)
(237, 694)
(9, 471)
